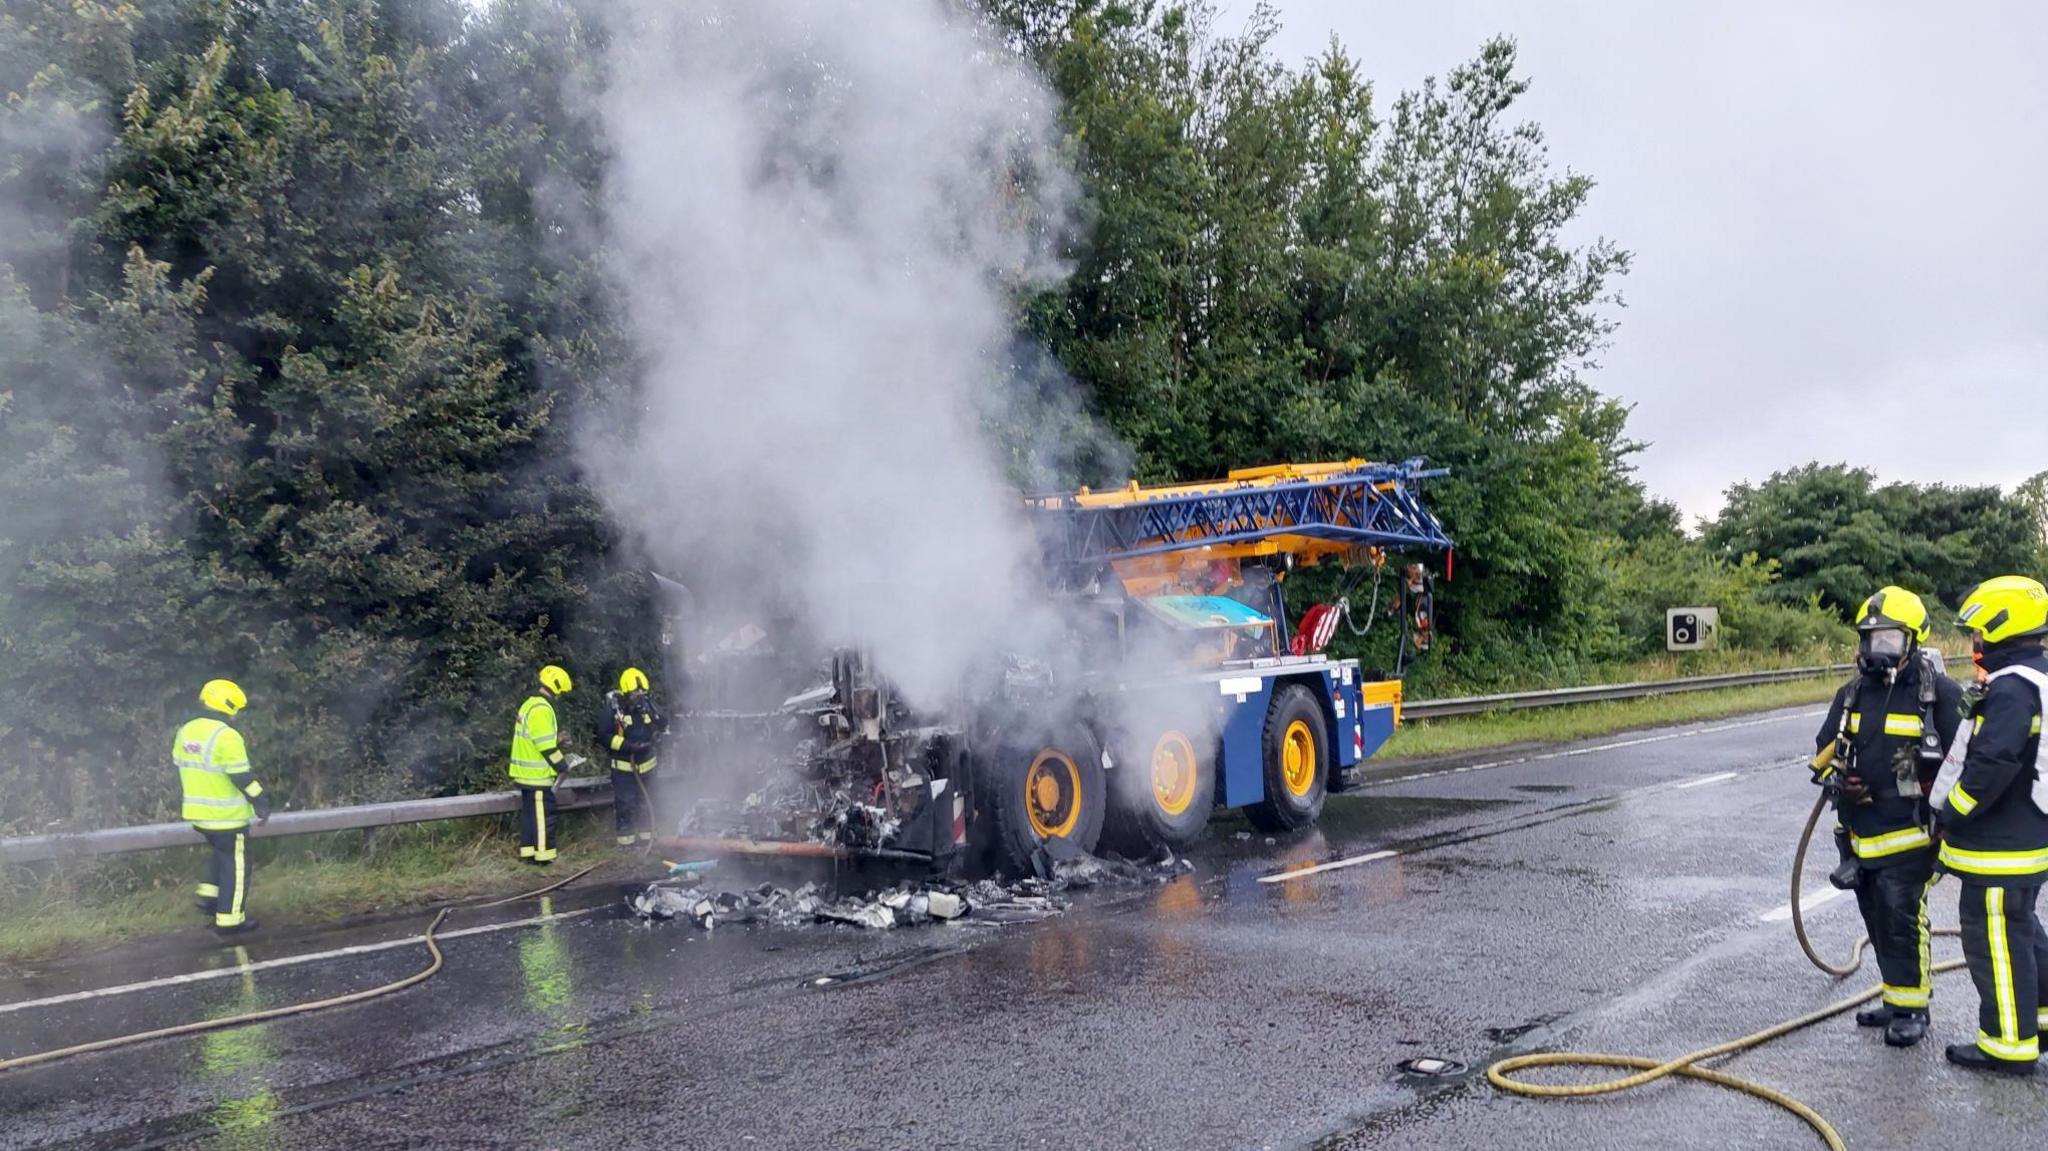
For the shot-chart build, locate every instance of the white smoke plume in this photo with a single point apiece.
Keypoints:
(818, 213)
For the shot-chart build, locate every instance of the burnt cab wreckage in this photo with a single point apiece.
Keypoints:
(1193, 692)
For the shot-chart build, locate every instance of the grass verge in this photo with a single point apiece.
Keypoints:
(57, 909)
(1417, 738)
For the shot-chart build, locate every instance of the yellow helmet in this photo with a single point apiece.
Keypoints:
(632, 679)
(555, 679)
(2008, 607)
(223, 696)
(1895, 607)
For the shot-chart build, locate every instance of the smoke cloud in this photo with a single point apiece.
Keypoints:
(818, 214)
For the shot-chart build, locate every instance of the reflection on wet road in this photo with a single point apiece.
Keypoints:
(1587, 896)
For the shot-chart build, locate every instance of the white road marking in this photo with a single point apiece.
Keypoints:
(1318, 869)
(286, 961)
(1825, 895)
(1354, 861)
(1570, 752)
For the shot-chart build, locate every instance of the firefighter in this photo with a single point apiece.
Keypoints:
(221, 797)
(1891, 727)
(1994, 824)
(536, 763)
(631, 727)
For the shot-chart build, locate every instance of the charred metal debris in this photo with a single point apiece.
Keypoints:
(847, 762)
(902, 905)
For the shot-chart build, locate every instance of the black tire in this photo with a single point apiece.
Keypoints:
(1161, 793)
(1297, 775)
(1024, 814)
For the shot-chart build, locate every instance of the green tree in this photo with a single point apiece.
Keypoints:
(1839, 536)
(2033, 496)
(97, 590)
(1273, 271)
(312, 394)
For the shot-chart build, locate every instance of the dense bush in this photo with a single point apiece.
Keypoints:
(1667, 572)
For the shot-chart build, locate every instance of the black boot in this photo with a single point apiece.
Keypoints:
(1906, 1028)
(242, 928)
(1878, 1016)
(1971, 1056)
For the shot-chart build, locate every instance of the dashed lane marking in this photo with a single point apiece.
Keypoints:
(1824, 896)
(285, 961)
(1374, 856)
(1317, 869)
(1370, 857)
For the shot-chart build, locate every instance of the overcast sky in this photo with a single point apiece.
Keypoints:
(1837, 210)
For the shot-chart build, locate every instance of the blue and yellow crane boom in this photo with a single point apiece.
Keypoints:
(1307, 511)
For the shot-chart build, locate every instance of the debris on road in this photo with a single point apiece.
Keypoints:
(776, 906)
(858, 914)
(1084, 871)
(902, 905)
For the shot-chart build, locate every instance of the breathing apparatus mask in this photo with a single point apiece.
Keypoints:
(1881, 650)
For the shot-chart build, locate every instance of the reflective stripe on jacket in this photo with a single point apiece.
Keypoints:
(1995, 830)
(535, 743)
(1895, 723)
(213, 768)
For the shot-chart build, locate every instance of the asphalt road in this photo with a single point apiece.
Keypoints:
(1617, 895)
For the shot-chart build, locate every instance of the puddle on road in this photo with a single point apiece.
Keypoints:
(1369, 815)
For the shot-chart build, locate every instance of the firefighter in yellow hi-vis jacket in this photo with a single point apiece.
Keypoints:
(536, 763)
(1994, 822)
(221, 797)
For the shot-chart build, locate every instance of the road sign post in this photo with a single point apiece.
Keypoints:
(1691, 628)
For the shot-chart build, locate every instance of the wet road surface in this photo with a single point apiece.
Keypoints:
(1617, 895)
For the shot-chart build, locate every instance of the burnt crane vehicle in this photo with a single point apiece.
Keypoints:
(1179, 688)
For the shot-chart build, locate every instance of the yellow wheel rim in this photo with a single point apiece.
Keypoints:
(1052, 794)
(1298, 757)
(1174, 773)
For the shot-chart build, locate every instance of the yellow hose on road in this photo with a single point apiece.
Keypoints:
(1650, 1070)
(432, 968)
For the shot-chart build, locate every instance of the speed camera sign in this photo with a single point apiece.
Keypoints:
(1691, 628)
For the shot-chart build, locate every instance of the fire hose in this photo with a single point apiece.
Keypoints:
(1651, 1070)
(432, 968)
